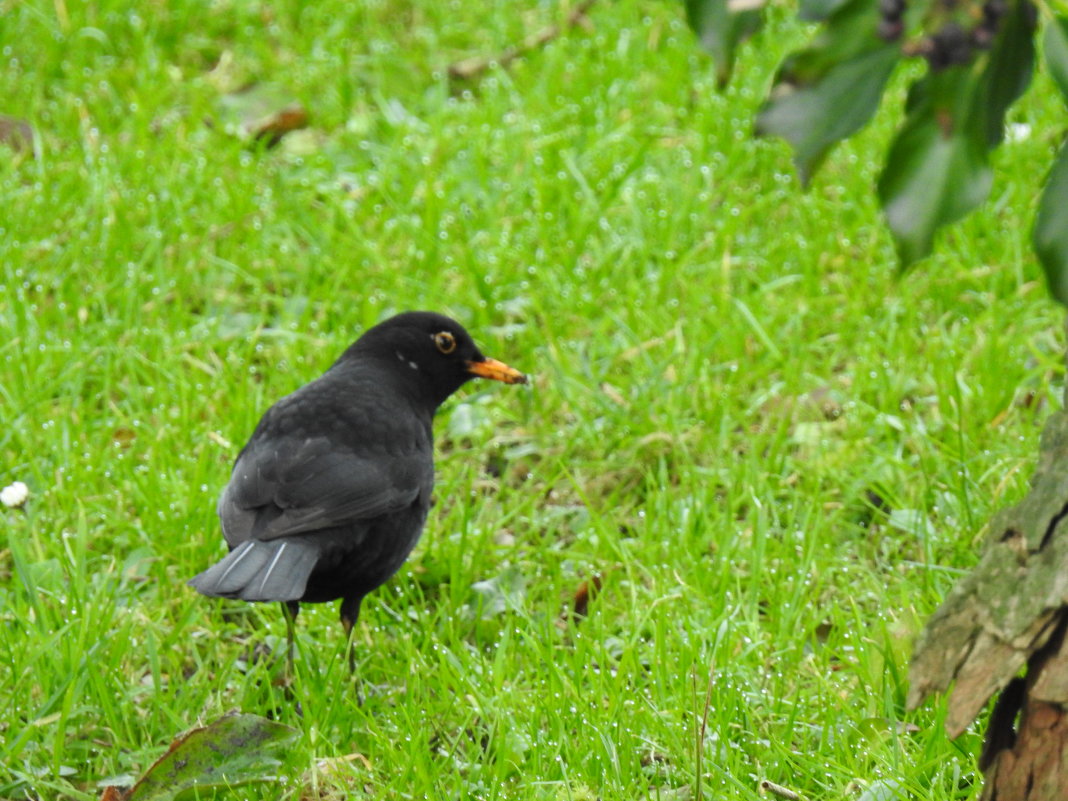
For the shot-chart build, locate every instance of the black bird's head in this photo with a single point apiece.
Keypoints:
(432, 349)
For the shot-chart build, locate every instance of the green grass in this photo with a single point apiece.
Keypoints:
(726, 370)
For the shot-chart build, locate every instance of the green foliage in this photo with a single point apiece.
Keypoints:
(1006, 73)
(818, 10)
(980, 58)
(1049, 240)
(1056, 47)
(721, 30)
(1051, 223)
(936, 170)
(829, 90)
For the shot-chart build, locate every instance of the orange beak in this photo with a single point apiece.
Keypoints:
(498, 371)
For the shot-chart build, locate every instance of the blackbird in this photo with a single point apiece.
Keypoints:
(331, 492)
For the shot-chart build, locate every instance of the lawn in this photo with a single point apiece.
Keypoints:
(771, 455)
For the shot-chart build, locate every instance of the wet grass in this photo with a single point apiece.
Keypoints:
(776, 457)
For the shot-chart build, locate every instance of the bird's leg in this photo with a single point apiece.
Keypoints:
(290, 610)
(350, 613)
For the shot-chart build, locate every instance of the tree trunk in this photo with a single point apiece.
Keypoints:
(1029, 761)
(1001, 631)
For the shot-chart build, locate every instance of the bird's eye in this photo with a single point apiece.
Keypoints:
(445, 342)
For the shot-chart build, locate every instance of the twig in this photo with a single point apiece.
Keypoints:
(470, 68)
(779, 790)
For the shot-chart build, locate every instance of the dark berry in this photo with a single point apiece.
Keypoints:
(993, 10)
(890, 30)
(891, 9)
(983, 37)
(949, 47)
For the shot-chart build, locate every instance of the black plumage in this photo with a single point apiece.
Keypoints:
(331, 492)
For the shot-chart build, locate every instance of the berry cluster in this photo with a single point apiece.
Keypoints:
(948, 47)
(953, 43)
(891, 24)
(983, 34)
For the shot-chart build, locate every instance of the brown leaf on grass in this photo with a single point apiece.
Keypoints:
(123, 437)
(586, 590)
(16, 134)
(654, 758)
(261, 112)
(584, 593)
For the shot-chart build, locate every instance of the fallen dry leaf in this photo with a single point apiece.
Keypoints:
(261, 112)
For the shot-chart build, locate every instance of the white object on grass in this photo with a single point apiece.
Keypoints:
(14, 494)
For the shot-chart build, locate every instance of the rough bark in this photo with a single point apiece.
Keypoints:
(1009, 613)
(1031, 763)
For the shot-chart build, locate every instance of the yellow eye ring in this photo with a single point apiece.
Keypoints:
(445, 342)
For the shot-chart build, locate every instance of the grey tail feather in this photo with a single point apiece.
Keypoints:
(260, 570)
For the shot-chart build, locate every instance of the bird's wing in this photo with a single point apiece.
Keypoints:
(290, 486)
